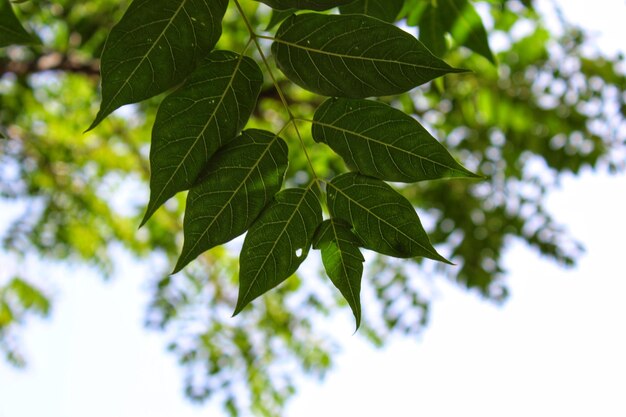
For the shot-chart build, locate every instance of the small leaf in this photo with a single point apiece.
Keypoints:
(11, 31)
(304, 4)
(242, 179)
(383, 142)
(277, 243)
(386, 10)
(192, 123)
(342, 261)
(353, 56)
(432, 31)
(383, 219)
(464, 23)
(155, 45)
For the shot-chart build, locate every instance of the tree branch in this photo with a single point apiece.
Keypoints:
(50, 62)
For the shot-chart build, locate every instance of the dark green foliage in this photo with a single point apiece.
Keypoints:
(350, 55)
(383, 219)
(501, 122)
(460, 19)
(11, 31)
(342, 260)
(353, 56)
(241, 180)
(304, 4)
(387, 10)
(154, 47)
(277, 243)
(192, 123)
(378, 140)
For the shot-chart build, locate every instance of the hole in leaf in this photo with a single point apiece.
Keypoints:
(299, 252)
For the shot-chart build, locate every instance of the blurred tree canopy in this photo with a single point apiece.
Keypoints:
(539, 104)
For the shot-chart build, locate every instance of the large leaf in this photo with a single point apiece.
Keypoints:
(461, 19)
(432, 31)
(383, 142)
(155, 45)
(208, 111)
(353, 56)
(342, 261)
(11, 31)
(304, 4)
(277, 243)
(387, 10)
(383, 219)
(242, 179)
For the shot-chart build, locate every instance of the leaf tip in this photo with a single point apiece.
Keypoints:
(240, 306)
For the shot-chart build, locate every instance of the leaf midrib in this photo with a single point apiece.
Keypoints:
(383, 220)
(252, 169)
(145, 56)
(382, 143)
(362, 58)
(283, 231)
(204, 128)
(344, 266)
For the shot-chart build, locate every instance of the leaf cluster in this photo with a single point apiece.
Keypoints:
(235, 177)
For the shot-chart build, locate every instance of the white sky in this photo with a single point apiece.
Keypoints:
(557, 348)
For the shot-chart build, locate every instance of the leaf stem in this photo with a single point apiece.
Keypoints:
(254, 37)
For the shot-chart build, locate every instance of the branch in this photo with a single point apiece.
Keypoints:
(50, 62)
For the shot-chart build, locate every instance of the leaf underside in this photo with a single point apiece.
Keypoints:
(11, 30)
(353, 56)
(192, 123)
(155, 45)
(382, 218)
(342, 261)
(383, 142)
(235, 178)
(242, 179)
(277, 243)
(304, 4)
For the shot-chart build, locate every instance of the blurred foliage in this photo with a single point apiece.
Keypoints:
(548, 108)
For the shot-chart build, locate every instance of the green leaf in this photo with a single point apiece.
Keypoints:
(387, 10)
(461, 19)
(11, 31)
(192, 123)
(277, 243)
(353, 56)
(29, 296)
(383, 219)
(155, 45)
(432, 32)
(342, 261)
(278, 16)
(382, 142)
(304, 4)
(242, 179)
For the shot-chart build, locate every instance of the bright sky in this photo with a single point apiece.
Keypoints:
(557, 348)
